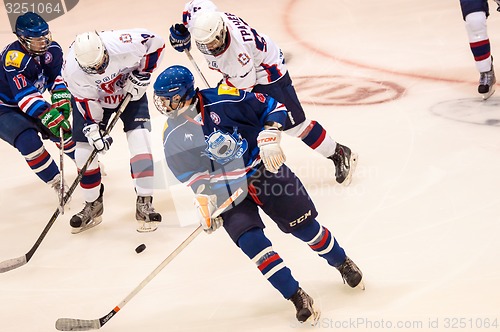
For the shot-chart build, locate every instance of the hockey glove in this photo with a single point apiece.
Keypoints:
(62, 101)
(180, 38)
(205, 206)
(95, 138)
(54, 120)
(137, 84)
(271, 154)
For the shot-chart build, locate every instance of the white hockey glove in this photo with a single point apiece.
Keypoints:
(137, 84)
(271, 154)
(205, 206)
(95, 138)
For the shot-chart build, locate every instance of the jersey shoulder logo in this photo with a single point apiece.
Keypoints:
(14, 58)
(223, 147)
(227, 90)
(126, 38)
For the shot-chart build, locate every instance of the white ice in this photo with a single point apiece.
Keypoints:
(421, 217)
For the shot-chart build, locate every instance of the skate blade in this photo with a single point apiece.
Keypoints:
(489, 93)
(92, 224)
(147, 226)
(353, 161)
(314, 318)
(361, 285)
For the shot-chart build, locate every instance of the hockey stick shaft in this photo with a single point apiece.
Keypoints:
(190, 57)
(73, 324)
(13, 263)
(61, 170)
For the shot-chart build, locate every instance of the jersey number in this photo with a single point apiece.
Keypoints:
(20, 81)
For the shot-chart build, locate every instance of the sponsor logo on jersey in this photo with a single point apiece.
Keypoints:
(14, 58)
(223, 147)
(225, 89)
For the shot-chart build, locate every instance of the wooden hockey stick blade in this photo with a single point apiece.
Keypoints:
(14, 263)
(74, 324)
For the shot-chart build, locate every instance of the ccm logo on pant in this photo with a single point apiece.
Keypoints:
(301, 219)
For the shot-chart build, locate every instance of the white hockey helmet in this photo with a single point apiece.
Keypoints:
(90, 53)
(209, 32)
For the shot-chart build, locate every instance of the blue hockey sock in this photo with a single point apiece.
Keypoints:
(321, 241)
(259, 249)
(38, 159)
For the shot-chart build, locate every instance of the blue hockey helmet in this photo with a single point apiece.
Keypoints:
(33, 33)
(174, 91)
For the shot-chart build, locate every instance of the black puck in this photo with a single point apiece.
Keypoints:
(140, 248)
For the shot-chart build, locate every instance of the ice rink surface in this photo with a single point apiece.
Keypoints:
(394, 81)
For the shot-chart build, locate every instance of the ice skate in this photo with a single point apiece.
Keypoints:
(55, 183)
(487, 82)
(146, 215)
(305, 309)
(90, 216)
(345, 163)
(351, 274)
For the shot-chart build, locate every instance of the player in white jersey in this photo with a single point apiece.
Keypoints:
(475, 14)
(100, 69)
(251, 61)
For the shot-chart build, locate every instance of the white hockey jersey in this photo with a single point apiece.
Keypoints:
(129, 50)
(249, 59)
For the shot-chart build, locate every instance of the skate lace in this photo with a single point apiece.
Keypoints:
(347, 269)
(300, 300)
(145, 207)
(86, 211)
(486, 78)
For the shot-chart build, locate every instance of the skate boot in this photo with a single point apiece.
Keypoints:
(146, 215)
(351, 274)
(304, 305)
(90, 216)
(55, 184)
(487, 82)
(345, 163)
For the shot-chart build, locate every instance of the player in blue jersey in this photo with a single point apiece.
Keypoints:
(30, 66)
(252, 61)
(475, 13)
(222, 138)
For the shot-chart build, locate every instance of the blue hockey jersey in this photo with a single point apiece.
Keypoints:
(216, 144)
(24, 78)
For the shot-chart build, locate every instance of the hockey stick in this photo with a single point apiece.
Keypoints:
(13, 263)
(61, 171)
(196, 66)
(73, 324)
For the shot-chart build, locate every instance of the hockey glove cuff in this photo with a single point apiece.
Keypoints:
(54, 120)
(205, 207)
(95, 138)
(137, 84)
(271, 153)
(61, 100)
(180, 38)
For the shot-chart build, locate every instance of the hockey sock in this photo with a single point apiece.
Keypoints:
(38, 159)
(475, 24)
(259, 249)
(91, 179)
(141, 161)
(321, 241)
(313, 134)
(69, 148)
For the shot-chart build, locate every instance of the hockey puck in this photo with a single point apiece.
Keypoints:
(140, 248)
